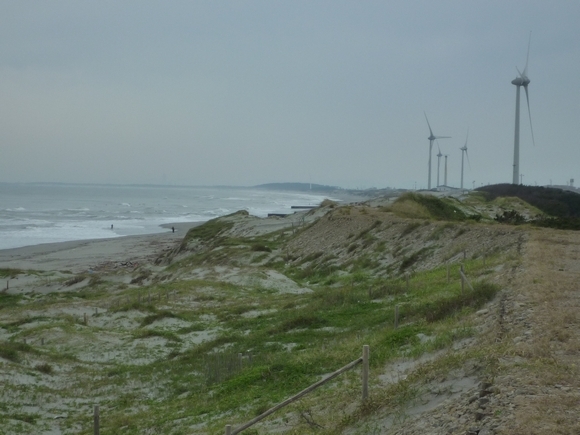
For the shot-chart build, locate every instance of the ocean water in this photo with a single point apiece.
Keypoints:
(32, 214)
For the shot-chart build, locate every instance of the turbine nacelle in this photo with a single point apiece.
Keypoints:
(438, 137)
(522, 80)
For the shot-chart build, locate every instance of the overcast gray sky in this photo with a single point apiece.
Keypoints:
(249, 92)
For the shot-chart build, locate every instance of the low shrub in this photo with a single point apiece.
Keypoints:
(75, 280)
(446, 306)
(260, 248)
(44, 368)
(510, 217)
(302, 321)
(147, 320)
(10, 350)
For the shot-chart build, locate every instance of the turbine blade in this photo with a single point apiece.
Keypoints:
(466, 137)
(442, 137)
(530, 114)
(528, 56)
(429, 125)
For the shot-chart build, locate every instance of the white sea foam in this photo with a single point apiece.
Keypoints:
(54, 213)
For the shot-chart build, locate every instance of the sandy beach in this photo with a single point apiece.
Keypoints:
(84, 255)
(80, 256)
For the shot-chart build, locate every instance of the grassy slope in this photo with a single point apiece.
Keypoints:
(181, 386)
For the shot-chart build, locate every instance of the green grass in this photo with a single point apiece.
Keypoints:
(285, 345)
(206, 232)
(411, 259)
(12, 351)
(158, 315)
(435, 208)
(10, 272)
(293, 339)
(8, 300)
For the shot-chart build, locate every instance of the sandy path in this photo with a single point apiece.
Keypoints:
(539, 377)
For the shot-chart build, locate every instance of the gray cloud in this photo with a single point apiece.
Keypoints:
(257, 91)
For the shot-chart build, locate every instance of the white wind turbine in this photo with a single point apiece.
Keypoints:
(463, 154)
(431, 138)
(445, 178)
(521, 80)
(439, 155)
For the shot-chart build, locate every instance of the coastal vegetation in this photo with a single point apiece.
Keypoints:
(230, 323)
(557, 208)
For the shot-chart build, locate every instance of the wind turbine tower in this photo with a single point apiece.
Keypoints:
(439, 155)
(445, 179)
(463, 154)
(431, 138)
(521, 80)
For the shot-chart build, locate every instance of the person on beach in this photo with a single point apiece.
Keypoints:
(173, 229)
(111, 226)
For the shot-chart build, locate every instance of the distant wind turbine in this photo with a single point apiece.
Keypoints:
(439, 155)
(445, 179)
(521, 80)
(431, 138)
(463, 154)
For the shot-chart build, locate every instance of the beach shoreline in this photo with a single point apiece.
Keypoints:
(79, 256)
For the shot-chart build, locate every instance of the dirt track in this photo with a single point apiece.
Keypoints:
(531, 382)
(539, 375)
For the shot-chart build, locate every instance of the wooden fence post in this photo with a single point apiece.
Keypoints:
(96, 420)
(365, 372)
(462, 279)
(365, 391)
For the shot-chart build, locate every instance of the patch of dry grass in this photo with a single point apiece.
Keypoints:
(409, 209)
(550, 293)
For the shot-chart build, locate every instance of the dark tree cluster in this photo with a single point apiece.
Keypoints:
(510, 217)
(561, 208)
(553, 202)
